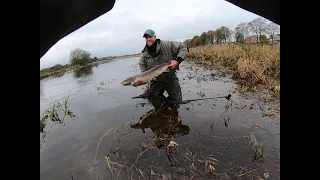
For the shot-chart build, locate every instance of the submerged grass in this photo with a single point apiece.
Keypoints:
(196, 158)
(257, 147)
(186, 163)
(250, 64)
(56, 114)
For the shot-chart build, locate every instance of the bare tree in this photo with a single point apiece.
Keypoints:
(195, 41)
(187, 42)
(238, 36)
(203, 38)
(272, 29)
(230, 38)
(258, 26)
(223, 33)
(242, 29)
(212, 36)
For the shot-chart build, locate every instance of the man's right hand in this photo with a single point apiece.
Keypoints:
(138, 83)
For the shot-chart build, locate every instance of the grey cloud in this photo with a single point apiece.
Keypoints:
(120, 31)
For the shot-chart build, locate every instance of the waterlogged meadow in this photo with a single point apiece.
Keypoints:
(97, 131)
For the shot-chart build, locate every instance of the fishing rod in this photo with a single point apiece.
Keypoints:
(145, 96)
(168, 102)
(199, 99)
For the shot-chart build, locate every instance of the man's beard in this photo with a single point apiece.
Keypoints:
(152, 44)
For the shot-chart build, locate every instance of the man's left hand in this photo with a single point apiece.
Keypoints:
(137, 83)
(174, 64)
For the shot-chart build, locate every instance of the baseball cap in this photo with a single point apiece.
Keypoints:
(149, 32)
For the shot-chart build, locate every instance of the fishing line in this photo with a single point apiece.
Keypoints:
(227, 107)
(226, 120)
(145, 96)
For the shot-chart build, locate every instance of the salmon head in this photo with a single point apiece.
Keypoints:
(129, 81)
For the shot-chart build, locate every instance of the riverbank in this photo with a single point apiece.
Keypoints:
(59, 70)
(255, 67)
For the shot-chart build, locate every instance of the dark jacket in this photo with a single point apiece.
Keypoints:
(165, 51)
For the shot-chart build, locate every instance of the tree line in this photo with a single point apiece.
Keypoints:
(259, 27)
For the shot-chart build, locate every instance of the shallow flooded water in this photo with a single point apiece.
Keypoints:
(208, 139)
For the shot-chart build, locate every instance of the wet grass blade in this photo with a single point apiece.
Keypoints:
(109, 163)
(116, 164)
(100, 140)
(141, 173)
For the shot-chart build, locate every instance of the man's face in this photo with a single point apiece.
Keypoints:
(150, 40)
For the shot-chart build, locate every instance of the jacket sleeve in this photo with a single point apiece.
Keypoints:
(142, 63)
(180, 49)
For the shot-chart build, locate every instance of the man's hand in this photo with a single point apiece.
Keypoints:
(174, 64)
(138, 83)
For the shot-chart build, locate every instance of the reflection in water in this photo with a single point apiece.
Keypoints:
(163, 120)
(41, 91)
(84, 71)
(165, 124)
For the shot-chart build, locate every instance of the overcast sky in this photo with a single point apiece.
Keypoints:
(119, 31)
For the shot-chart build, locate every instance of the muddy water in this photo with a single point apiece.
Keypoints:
(105, 113)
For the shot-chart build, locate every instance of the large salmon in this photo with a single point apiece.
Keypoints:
(147, 75)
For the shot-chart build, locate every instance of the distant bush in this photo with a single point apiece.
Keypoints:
(80, 57)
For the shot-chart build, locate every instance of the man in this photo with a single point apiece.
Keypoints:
(159, 51)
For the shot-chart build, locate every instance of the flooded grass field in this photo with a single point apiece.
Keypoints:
(207, 139)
